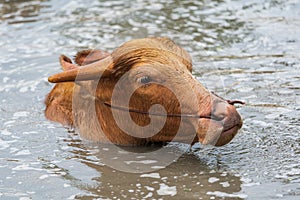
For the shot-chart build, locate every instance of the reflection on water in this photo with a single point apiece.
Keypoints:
(170, 181)
(246, 50)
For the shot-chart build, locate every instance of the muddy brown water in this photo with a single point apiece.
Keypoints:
(246, 50)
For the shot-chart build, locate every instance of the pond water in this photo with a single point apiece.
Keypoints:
(248, 50)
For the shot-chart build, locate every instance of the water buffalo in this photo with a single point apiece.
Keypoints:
(143, 92)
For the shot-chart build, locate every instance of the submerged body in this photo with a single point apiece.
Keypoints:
(115, 98)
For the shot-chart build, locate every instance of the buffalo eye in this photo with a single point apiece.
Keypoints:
(145, 79)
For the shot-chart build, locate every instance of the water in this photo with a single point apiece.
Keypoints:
(246, 50)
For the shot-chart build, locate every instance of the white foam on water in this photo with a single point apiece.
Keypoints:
(225, 184)
(25, 198)
(149, 188)
(157, 167)
(166, 190)
(9, 122)
(5, 132)
(123, 152)
(213, 179)
(151, 175)
(23, 89)
(23, 152)
(223, 194)
(5, 144)
(293, 172)
(25, 167)
(149, 195)
(250, 184)
(44, 176)
(30, 132)
(73, 196)
(146, 162)
(5, 79)
(141, 157)
(20, 114)
(22, 85)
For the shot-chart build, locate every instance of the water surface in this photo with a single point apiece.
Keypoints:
(246, 50)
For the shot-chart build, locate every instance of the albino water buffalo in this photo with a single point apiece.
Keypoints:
(143, 92)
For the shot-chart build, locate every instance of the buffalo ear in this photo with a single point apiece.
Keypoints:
(91, 71)
(89, 56)
(66, 63)
(82, 58)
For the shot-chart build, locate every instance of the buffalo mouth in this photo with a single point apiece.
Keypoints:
(228, 134)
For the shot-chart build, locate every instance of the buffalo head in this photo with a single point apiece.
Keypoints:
(142, 92)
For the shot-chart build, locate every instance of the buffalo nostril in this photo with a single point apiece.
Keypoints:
(220, 111)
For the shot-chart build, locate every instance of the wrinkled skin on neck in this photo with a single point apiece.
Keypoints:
(121, 106)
